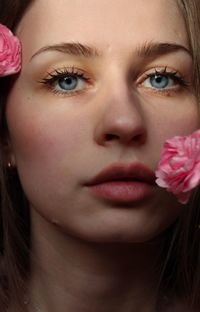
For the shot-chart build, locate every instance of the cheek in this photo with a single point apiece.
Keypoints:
(43, 135)
(46, 143)
(173, 121)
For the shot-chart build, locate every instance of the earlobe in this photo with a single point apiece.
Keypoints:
(11, 163)
(8, 155)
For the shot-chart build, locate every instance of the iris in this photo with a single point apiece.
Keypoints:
(159, 81)
(68, 83)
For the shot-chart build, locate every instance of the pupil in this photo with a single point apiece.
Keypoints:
(68, 80)
(158, 79)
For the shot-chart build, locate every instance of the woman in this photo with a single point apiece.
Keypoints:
(102, 86)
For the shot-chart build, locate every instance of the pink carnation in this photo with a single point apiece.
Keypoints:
(10, 52)
(179, 167)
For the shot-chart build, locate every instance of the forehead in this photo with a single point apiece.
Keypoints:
(110, 24)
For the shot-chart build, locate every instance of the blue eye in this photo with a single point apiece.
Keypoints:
(66, 81)
(163, 80)
(159, 82)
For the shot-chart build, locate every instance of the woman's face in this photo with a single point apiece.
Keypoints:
(103, 85)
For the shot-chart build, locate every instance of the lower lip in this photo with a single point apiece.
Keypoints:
(124, 192)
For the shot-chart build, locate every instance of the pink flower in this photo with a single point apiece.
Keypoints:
(10, 52)
(179, 167)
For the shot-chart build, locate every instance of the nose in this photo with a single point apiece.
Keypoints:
(122, 120)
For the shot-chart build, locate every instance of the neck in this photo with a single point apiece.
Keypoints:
(69, 274)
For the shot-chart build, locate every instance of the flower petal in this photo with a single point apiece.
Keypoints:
(179, 166)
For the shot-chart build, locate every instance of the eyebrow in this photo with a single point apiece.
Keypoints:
(151, 50)
(71, 48)
(147, 50)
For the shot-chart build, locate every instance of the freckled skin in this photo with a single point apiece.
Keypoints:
(60, 142)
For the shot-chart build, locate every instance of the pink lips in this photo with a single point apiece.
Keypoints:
(123, 183)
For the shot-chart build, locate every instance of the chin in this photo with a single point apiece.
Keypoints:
(111, 234)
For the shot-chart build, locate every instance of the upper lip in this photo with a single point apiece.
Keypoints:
(123, 172)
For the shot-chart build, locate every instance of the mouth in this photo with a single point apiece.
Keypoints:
(123, 183)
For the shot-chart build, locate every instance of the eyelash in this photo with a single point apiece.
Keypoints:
(73, 72)
(177, 78)
(59, 74)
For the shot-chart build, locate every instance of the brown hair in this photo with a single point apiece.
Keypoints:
(180, 274)
(14, 212)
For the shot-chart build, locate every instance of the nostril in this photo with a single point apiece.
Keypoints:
(110, 137)
(137, 138)
(140, 138)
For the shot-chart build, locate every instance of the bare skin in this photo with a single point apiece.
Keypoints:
(106, 276)
(88, 254)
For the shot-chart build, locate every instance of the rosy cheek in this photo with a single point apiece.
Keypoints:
(44, 136)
